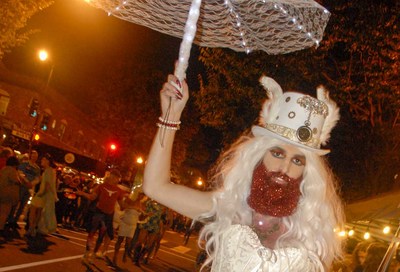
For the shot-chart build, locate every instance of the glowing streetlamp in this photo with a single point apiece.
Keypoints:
(43, 56)
(138, 180)
(200, 183)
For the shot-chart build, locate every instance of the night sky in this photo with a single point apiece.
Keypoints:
(82, 41)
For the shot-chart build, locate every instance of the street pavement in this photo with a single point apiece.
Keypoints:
(63, 252)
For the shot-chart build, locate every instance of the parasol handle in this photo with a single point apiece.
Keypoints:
(188, 36)
(184, 53)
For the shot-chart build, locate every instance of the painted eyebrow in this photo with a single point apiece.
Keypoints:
(277, 148)
(299, 156)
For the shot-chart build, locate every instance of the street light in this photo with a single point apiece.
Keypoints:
(43, 56)
(138, 180)
(200, 182)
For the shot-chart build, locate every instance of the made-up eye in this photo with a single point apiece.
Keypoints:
(300, 161)
(277, 153)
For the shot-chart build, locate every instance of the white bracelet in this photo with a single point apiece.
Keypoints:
(168, 121)
(166, 126)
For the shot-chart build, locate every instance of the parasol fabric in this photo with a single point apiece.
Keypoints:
(276, 27)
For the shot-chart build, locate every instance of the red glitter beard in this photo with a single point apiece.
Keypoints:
(269, 197)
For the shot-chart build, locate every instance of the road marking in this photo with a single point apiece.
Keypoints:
(75, 238)
(27, 265)
(67, 236)
(75, 243)
(181, 249)
(21, 266)
(77, 232)
(167, 250)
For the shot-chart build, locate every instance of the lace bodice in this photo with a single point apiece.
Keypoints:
(241, 251)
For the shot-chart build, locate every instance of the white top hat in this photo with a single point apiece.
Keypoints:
(297, 118)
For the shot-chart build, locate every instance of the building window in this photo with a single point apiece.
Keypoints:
(61, 129)
(4, 100)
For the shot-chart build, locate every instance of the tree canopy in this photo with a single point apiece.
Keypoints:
(14, 15)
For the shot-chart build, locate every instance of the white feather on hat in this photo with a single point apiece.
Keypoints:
(333, 114)
(274, 91)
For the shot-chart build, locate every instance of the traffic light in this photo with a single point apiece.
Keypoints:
(44, 124)
(33, 108)
(36, 137)
(113, 147)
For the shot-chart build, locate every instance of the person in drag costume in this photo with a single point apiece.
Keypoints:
(276, 207)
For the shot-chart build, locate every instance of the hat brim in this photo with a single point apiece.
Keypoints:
(260, 131)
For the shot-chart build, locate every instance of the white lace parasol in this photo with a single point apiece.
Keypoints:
(276, 27)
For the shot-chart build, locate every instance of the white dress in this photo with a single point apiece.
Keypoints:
(127, 225)
(241, 251)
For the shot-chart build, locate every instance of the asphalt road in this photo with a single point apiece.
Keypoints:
(63, 252)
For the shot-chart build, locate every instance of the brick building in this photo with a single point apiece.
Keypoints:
(68, 131)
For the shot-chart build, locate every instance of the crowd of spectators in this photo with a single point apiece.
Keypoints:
(38, 196)
(367, 256)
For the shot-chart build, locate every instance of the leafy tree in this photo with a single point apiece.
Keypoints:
(14, 15)
(362, 56)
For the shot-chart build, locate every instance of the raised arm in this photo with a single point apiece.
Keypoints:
(91, 195)
(156, 184)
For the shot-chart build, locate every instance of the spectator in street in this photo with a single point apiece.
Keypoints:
(42, 214)
(107, 195)
(275, 205)
(10, 183)
(127, 225)
(32, 173)
(375, 253)
(148, 232)
(83, 213)
(188, 230)
(5, 153)
(358, 256)
(23, 158)
(165, 223)
(71, 202)
(61, 205)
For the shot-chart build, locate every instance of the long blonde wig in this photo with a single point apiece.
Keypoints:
(310, 228)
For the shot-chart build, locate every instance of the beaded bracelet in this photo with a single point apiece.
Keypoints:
(168, 126)
(163, 121)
